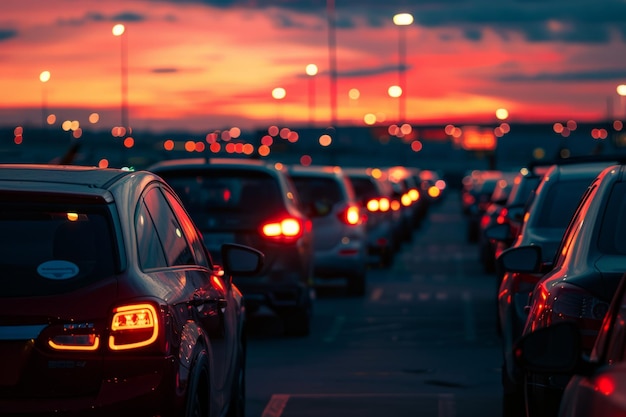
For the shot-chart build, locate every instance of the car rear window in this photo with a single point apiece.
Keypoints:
(234, 191)
(49, 251)
(314, 189)
(364, 188)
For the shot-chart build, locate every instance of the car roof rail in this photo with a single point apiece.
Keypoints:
(618, 159)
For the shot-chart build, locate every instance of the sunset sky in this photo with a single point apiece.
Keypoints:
(202, 65)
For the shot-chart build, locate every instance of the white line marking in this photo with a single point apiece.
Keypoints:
(447, 407)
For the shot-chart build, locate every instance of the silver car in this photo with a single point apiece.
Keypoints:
(339, 231)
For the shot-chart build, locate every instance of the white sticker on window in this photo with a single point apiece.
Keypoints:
(58, 269)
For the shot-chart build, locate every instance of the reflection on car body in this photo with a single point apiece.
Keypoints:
(110, 302)
(255, 203)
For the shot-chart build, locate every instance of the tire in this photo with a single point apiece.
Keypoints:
(237, 406)
(198, 392)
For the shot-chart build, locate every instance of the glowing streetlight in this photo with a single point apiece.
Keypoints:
(395, 91)
(44, 77)
(120, 30)
(279, 94)
(311, 71)
(402, 20)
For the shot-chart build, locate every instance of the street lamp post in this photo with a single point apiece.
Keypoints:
(401, 20)
(311, 71)
(44, 77)
(120, 30)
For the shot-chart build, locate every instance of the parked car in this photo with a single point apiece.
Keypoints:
(254, 203)
(110, 303)
(552, 205)
(374, 194)
(598, 384)
(581, 280)
(339, 229)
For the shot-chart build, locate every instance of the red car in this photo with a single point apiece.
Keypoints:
(110, 303)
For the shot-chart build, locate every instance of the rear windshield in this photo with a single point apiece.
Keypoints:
(231, 191)
(315, 189)
(49, 251)
(364, 188)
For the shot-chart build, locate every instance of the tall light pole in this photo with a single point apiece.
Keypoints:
(401, 20)
(311, 71)
(44, 77)
(120, 30)
(332, 60)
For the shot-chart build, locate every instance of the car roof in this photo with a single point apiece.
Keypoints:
(70, 179)
(578, 170)
(184, 163)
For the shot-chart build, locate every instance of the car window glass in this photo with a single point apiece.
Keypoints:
(226, 191)
(151, 254)
(574, 224)
(52, 250)
(559, 204)
(189, 231)
(612, 238)
(170, 232)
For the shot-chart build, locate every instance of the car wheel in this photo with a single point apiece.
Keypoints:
(198, 393)
(237, 407)
(512, 397)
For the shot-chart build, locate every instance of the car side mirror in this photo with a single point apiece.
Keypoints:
(241, 260)
(521, 259)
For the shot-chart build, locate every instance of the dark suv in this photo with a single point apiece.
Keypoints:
(252, 202)
(110, 304)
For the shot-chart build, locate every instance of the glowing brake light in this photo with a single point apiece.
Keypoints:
(351, 215)
(406, 200)
(286, 229)
(133, 326)
(75, 342)
(414, 195)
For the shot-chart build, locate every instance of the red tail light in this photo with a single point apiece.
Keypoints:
(378, 204)
(283, 230)
(350, 215)
(133, 326)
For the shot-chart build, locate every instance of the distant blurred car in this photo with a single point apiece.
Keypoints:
(492, 216)
(339, 225)
(374, 194)
(598, 384)
(476, 196)
(110, 303)
(407, 197)
(552, 206)
(433, 185)
(255, 203)
(581, 280)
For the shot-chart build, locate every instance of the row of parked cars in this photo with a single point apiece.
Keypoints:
(559, 260)
(128, 292)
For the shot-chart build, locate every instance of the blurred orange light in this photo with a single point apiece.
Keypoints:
(129, 142)
(168, 145)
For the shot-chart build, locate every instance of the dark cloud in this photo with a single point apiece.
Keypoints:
(164, 70)
(124, 17)
(7, 34)
(588, 76)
